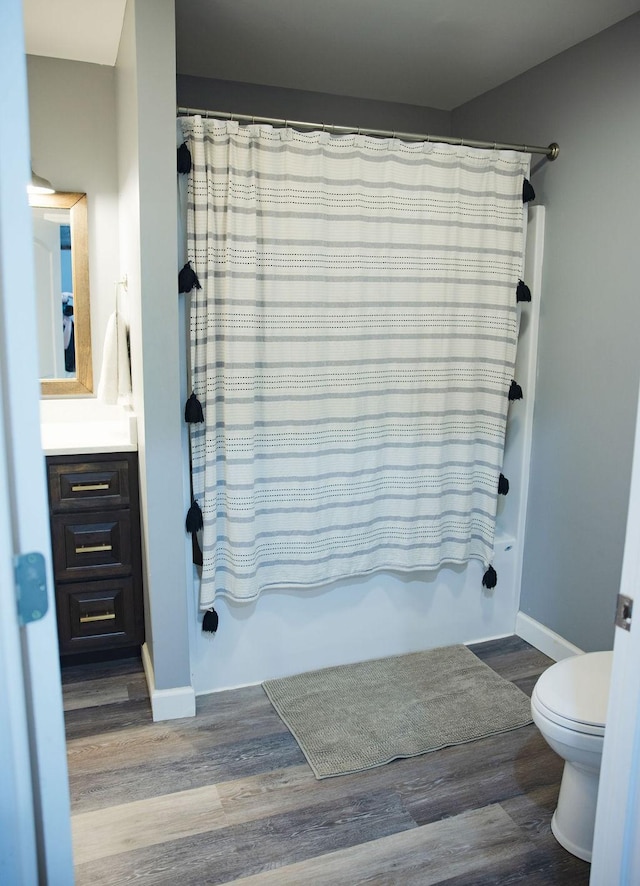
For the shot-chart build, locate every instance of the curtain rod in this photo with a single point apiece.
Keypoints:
(551, 152)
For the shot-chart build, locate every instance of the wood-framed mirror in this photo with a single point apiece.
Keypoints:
(61, 257)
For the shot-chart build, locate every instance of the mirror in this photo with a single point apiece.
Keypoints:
(61, 258)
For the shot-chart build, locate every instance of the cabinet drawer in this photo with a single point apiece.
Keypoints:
(91, 545)
(97, 614)
(87, 486)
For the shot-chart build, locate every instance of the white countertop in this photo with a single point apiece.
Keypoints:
(85, 425)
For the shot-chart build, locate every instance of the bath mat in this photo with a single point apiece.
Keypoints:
(362, 715)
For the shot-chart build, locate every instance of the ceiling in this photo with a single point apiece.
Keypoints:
(81, 30)
(434, 53)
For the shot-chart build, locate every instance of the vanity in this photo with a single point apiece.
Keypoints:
(90, 448)
(92, 476)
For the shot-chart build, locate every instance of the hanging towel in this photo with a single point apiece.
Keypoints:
(115, 377)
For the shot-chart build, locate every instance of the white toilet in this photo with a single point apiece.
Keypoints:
(569, 707)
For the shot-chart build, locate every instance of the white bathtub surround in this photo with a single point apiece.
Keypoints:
(288, 632)
(84, 425)
(512, 508)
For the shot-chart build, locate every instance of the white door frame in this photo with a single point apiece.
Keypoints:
(616, 847)
(35, 847)
(18, 862)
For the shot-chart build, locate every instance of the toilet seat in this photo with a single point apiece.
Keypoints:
(574, 692)
(565, 722)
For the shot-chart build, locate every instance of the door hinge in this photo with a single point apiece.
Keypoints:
(31, 587)
(624, 609)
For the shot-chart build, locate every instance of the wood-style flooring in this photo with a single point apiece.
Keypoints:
(227, 796)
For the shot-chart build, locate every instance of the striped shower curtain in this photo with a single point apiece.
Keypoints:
(352, 345)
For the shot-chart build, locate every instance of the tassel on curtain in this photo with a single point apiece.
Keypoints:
(523, 293)
(193, 413)
(351, 344)
(528, 194)
(515, 391)
(490, 578)
(184, 159)
(187, 279)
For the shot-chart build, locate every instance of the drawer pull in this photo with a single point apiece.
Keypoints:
(93, 549)
(89, 487)
(106, 616)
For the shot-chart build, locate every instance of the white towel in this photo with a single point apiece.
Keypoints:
(115, 377)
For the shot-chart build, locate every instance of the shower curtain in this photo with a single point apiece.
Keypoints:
(353, 342)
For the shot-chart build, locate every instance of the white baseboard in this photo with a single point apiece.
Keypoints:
(167, 704)
(544, 639)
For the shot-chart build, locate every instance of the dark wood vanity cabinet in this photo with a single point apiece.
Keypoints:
(95, 536)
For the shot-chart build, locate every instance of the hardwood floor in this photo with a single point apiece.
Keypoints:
(228, 797)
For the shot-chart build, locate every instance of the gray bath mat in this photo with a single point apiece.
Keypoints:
(362, 715)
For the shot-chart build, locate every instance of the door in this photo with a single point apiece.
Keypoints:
(35, 832)
(616, 848)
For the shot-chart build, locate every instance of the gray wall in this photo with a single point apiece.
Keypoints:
(72, 117)
(145, 72)
(314, 107)
(588, 100)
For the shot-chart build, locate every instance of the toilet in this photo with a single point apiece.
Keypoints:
(569, 707)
